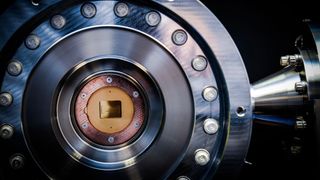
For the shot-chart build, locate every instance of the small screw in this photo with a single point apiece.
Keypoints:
(135, 94)
(6, 131)
(88, 10)
(202, 157)
(5, 99)
(58, 22)
(153, 18)
(241, 111)
(32, 42)
(210, 94)
(84, 125)
(16, 161)
(121, 9)
(211, 126)
(109, 80)
(83, 95)
(179, 37)
(199, 63)
(111, 139)
(301, 87)
(14, 68)
(137, 125)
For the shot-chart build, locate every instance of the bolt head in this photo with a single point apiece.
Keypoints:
(121, 9)
(284, 61)
(179, 37)
(58, 22)
(6, 131)
(88, 10)
(210, 94)
(211, 126)
(202, 157)
(153, 18)
(111, 139)
(16, 161)
(199, 63)
(5, 99)
(32, 42)
(14, 68)
(301, 87)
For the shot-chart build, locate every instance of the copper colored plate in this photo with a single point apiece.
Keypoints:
(109, 110)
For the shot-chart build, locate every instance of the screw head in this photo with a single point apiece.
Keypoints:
(6, 131)
(16, 161)
(88, 10)
(32, 42)
(5, 99)
(121, 9)
(111, 139)
(14, 68)
(210, 94)
(199, 63)
(58, 22)
(202, 157)
(135, 94)
(211, 126)
(109, 80)
(301, 87)
(179, 37)
(153, 18)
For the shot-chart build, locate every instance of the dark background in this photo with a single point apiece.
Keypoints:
(263, 31)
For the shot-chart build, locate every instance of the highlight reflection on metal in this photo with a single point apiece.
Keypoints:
(184, 67)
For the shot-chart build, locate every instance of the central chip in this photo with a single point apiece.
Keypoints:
(110, 110)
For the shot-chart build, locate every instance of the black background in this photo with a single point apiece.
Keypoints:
(263, 31)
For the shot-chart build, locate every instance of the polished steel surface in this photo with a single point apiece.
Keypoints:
(108, 38)
(277, 94)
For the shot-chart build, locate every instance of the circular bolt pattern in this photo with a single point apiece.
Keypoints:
(121, 9)
(14, 68)
(32, 42)
(88, 10)
(5, 99)
(199, 63)
(210, 94)
(6, 131)
(179, 37)
(17, 161)
(202, 157)
(183, 178)
(211, 126)
(153, 18)
(58, 22)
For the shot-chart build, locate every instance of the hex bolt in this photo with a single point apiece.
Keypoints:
(210, 94)
(58, 22)
(202, 157)
(88, 10)
(179, 37)
(5, 99)
(121, 9)
(14, 68)
(153, 18)
(199, 63)
(301, 87)
(32, 42)
(16, 161)
(6, 131)
(293, 60)
(183, 178)
(211, 126)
